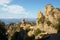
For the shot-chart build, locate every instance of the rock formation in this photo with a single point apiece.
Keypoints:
(22, 23)
(50, 21)
(39, 15)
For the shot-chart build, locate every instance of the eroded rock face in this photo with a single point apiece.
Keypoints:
(47, 9)
(51, 15)
(23, 23)
(39, 15)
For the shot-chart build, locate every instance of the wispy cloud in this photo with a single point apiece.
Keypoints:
(4, 2)
(16, 9)
(13, 11)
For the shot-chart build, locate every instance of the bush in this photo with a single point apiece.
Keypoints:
(58, 25)
(43, 31)
(36, 32)
(48, 22)
(42, 19)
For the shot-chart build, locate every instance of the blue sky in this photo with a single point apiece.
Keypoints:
(24, 8)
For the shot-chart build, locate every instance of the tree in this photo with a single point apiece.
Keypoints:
(2, 23)
(2, 31)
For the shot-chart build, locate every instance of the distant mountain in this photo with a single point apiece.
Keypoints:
(7, 21)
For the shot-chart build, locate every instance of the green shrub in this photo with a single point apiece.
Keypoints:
(36, 32)
(48, 22)
(58, 25)
(42, 19)
(43, 31)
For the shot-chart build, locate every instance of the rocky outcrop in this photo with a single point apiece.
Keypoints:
(50, 20)
(39, 15)
(51, 13)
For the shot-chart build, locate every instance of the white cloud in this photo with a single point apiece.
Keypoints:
(4, 2)
(16, 9)
(13, 11)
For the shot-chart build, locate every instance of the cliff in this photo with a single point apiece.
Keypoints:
(49, 20)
